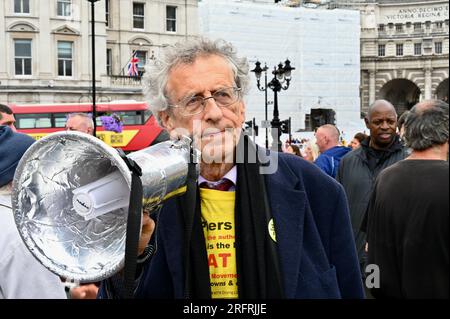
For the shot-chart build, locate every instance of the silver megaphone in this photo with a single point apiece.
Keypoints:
(71, 195)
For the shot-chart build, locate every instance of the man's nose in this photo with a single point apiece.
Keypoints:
(385, 125)
(212, 111)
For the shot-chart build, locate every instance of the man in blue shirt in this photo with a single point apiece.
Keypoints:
(327, 139)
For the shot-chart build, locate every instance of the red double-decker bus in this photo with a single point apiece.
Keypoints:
(140, 128)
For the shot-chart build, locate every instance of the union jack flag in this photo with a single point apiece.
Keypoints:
(133, 66)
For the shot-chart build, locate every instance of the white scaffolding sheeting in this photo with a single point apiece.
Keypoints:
(323, 46)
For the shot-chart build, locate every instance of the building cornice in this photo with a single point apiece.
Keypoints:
(65, 89)
(22, 26)
(405, 58)
(411, 3)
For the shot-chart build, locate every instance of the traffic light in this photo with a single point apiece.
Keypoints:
(255, 127)
(251, 127)
(286, 126)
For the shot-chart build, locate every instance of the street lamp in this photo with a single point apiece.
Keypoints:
(94, 109)
(258, 71)
(281, 80)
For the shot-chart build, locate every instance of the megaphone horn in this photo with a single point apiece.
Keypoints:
(71, 195)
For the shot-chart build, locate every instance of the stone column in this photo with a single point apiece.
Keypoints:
(371, 86)
(428, 82)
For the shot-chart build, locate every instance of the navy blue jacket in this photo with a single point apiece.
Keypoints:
(315, 242)
(329, 160)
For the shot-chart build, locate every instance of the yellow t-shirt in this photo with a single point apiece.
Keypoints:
(217, 208)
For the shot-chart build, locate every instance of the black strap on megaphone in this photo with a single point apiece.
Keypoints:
(133, 226)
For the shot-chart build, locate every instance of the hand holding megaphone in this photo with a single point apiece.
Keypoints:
(148, 226)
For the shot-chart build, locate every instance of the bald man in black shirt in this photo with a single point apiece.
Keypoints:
(408, 213)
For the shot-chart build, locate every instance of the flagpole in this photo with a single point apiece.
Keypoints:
(94, 108)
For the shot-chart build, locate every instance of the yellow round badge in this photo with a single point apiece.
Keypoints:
(272, 232)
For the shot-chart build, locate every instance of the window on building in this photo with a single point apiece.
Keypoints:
(390, 25)
(64, 8)
(65, 61)
(381, 27)
(138, 15)
(399, 49)
(21, 6)
(171, 18)
(417, 48)
(438, 47)
(427, 24)
(108, 61)
(22, 57)
(439, 25)
(381, 50)
(399, 27)
(142, 56)
(417, 26)
(107, 10)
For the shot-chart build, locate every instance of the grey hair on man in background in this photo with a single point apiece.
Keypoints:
(157, 73)
(427, 125)
(86, 116)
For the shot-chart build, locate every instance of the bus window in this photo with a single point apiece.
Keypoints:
(128, 117)
(33, 121)
(131, 118)
(147, 115)
(60, 119)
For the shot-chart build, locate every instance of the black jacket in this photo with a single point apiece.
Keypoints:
(358, 181)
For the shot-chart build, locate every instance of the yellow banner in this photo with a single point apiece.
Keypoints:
(117, 139)
(110, 138)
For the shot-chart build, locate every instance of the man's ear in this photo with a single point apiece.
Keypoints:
(242, 112)
(366, 120)
(166, 120)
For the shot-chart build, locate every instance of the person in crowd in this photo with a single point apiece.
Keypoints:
(408, 219)
(289, 243)
(327, 140)
(401, 124)
(357, 140)
(80, 122)
(311, 150)
(21, 275)
(7, 117)
(293, 149)
(359, 169)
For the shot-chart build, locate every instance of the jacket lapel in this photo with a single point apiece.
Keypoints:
(172, 231)
(288, 209)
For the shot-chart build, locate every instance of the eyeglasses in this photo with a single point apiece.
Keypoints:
(196, 104)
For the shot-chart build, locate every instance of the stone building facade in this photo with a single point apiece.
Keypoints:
(45, 46)
(404, 51)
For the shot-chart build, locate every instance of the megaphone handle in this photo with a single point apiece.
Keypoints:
(189, 207)
(133, 227)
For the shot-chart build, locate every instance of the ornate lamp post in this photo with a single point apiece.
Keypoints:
(281, 80)
(258, 71)
(94, 109)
